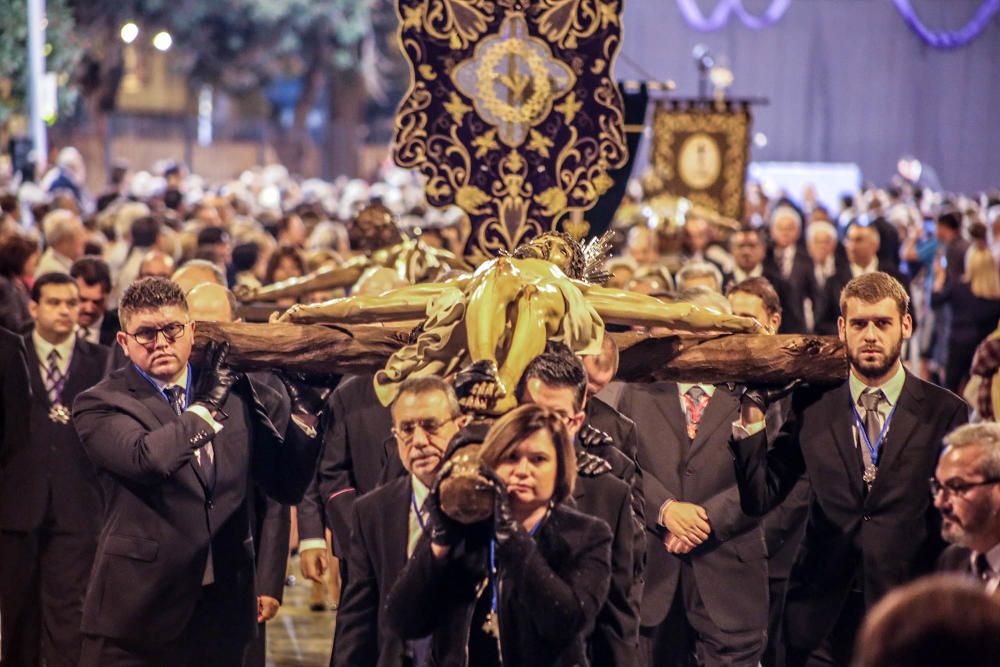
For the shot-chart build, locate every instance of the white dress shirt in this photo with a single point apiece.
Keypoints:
(864, 270)
(992, 580)
(420, 493)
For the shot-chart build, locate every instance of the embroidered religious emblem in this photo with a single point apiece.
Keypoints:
(512, 112)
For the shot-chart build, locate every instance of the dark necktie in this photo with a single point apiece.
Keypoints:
(983, 569)
(870, 400)
(175, 395)
(695, 399)
(54, 378)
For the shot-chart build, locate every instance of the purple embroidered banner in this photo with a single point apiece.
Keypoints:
(949, 39)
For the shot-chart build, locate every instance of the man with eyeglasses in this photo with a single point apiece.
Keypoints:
(387, 522)
(966, 490)
(173, 580)
(556, 379)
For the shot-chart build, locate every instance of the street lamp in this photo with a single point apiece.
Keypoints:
(129, 32)
(162, 40)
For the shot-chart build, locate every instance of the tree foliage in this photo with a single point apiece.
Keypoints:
(62, 53)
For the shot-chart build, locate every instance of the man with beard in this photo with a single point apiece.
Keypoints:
(867, 445)
(966, 490)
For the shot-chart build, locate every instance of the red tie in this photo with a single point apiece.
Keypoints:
(695, 399)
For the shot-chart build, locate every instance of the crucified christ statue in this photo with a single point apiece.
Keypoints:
(499, 318)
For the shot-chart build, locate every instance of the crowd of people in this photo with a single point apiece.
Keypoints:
(148, 504)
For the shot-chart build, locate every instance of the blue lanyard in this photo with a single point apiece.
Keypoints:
(416, 510)
(876, 448)
(157, 387)
(493, 562)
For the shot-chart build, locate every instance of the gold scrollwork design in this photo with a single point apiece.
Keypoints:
(512, 113)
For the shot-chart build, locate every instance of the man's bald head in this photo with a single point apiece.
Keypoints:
(209, 302)
(156, 264)
(601, 367)
(197, 272)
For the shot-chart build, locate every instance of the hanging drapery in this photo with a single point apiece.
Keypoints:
(949, 39)
(720, 16)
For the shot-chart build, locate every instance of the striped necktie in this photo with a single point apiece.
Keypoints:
(54, 377)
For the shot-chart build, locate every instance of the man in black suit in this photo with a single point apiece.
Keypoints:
(861, 243)
(272, 521)
(387, 522)
(96, 323)
(173, 580)
(871, 525)
(557, 380)
(789, 268)
(785, 524)
(966, 488)
(50, 498)
(601, 370)
(357, 449)
(706, 578)
(829, 263)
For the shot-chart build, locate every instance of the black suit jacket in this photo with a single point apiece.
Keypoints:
(162, 520)
(615, 639)
(110, 326)
(605, 418)
(729, 567)
(784, 525)
(48, 475)
(380, 531)
(550, 590)
(622, 455)
(956, 559)
(353, 453)
(886, 536)
(272, 521)
(16, 453)
(794, 290)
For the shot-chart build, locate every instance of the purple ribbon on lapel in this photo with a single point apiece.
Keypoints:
(720, 16)
(949, 39)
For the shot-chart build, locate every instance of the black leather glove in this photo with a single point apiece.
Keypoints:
(442, 529)
(216, 379)
(306, 399)
(591, 465)
(505, 526)
(591, 437)
(763, 397)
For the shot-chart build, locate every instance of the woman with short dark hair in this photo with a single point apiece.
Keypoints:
(524, 587)
(18, 259)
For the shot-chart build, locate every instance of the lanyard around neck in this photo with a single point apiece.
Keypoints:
(876, 447)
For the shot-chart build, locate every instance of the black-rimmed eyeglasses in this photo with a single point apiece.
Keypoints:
(406, 430)
(147, 335)
(956, 487)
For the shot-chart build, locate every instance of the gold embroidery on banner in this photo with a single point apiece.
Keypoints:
(511, 113)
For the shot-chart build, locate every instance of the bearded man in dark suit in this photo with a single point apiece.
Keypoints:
(871, 525)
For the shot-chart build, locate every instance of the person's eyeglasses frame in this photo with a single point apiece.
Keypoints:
(156, 333)
(428, 426)
(959, 490)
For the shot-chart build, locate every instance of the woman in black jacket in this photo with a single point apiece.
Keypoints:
(522, 588)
